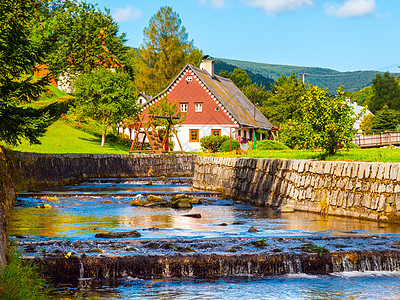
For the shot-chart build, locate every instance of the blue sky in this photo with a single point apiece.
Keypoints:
(345, 35)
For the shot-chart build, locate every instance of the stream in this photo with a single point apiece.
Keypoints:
(66, 221)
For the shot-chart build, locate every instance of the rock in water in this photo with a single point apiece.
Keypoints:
(197, 216)
(153, 198)
(252, 229)
(287, 209)
(182, 203)
(118, 235)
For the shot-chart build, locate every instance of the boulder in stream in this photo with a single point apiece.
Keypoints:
(118, 235)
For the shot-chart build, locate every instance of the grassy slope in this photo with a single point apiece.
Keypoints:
(62, 138)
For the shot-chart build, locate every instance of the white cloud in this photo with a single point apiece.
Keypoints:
(273, 7)
(128, 13)
(351, 8)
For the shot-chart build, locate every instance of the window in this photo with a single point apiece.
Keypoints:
(189, 78)
(217, 108)
(216, 132)
(193, 135)
(183, 107)
(198, 107)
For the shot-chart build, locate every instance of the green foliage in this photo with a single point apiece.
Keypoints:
(367, 123)
(386, 90)
(226, 146)
(313, 248)
(271, 145)
(329, 122)
(18, 56)
(363, 96)
(165, 52)
(166, 108)
(385, 119)
(213, 142)
(20, 280)
(105, 96)
(283, 102)
(80, 37)
(292, 134)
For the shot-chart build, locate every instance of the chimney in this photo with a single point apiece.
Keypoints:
(207, 65)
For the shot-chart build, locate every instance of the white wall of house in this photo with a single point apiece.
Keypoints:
(204, 130)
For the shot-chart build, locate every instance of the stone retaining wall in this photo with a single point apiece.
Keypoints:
(54, 169)
(354, 189)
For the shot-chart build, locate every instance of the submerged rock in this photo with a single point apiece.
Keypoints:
(252, 229)
(118, 235)
(287, 209)
(181, 203)
(197, 216)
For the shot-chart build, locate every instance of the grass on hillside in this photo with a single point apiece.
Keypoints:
(62, 138)
(375, 154)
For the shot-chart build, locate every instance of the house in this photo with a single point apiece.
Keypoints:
(213, 105)
(359, 113)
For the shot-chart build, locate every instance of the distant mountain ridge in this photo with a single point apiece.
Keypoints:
(322, 77)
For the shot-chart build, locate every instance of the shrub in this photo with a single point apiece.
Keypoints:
(20, 280)
(226, 146)
(271, 145)
(213, 142)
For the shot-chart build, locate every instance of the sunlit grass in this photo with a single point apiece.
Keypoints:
(375, 154)
(62, 138)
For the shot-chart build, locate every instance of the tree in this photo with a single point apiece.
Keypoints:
(367, 123)
(81, 38)
(385, 119)
(283, 102)
(165, 52)
(105, 96)
(18, 56)
(166, 108)
(329, 121)
(362, 96)
(386, 90)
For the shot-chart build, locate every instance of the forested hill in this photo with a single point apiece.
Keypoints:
(323, 78)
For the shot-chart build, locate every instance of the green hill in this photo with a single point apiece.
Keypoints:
(324, 78)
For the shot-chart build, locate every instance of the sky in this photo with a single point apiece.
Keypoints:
(344, 35)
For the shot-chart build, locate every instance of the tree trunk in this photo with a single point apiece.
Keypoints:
(103, 138)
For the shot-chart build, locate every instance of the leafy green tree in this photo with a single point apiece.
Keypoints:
(106, 97)
(283, 102)
(386, 90)
(362, 96)
(80, 37)
(367, 123)
(329, 122)
(385, 119)
(165, 52)
(166, 108)
(18, 56)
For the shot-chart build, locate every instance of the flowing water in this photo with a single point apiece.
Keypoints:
(71, 216)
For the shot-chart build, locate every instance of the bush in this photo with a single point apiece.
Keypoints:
(351, 145)
(271, 145)
(213, 142)
(20, 280)
(226, 146)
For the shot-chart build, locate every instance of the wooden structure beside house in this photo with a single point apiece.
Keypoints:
(213, 105)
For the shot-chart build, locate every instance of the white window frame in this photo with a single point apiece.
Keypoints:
(198, 107)
(184, 107)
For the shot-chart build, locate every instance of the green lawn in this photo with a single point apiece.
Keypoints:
(62, 138)
(376, 154)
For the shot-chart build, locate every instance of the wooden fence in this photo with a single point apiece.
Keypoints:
(377, 139)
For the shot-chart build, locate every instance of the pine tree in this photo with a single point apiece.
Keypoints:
(165, 52)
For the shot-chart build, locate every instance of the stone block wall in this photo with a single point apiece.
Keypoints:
(53, 169)
(353, 189)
